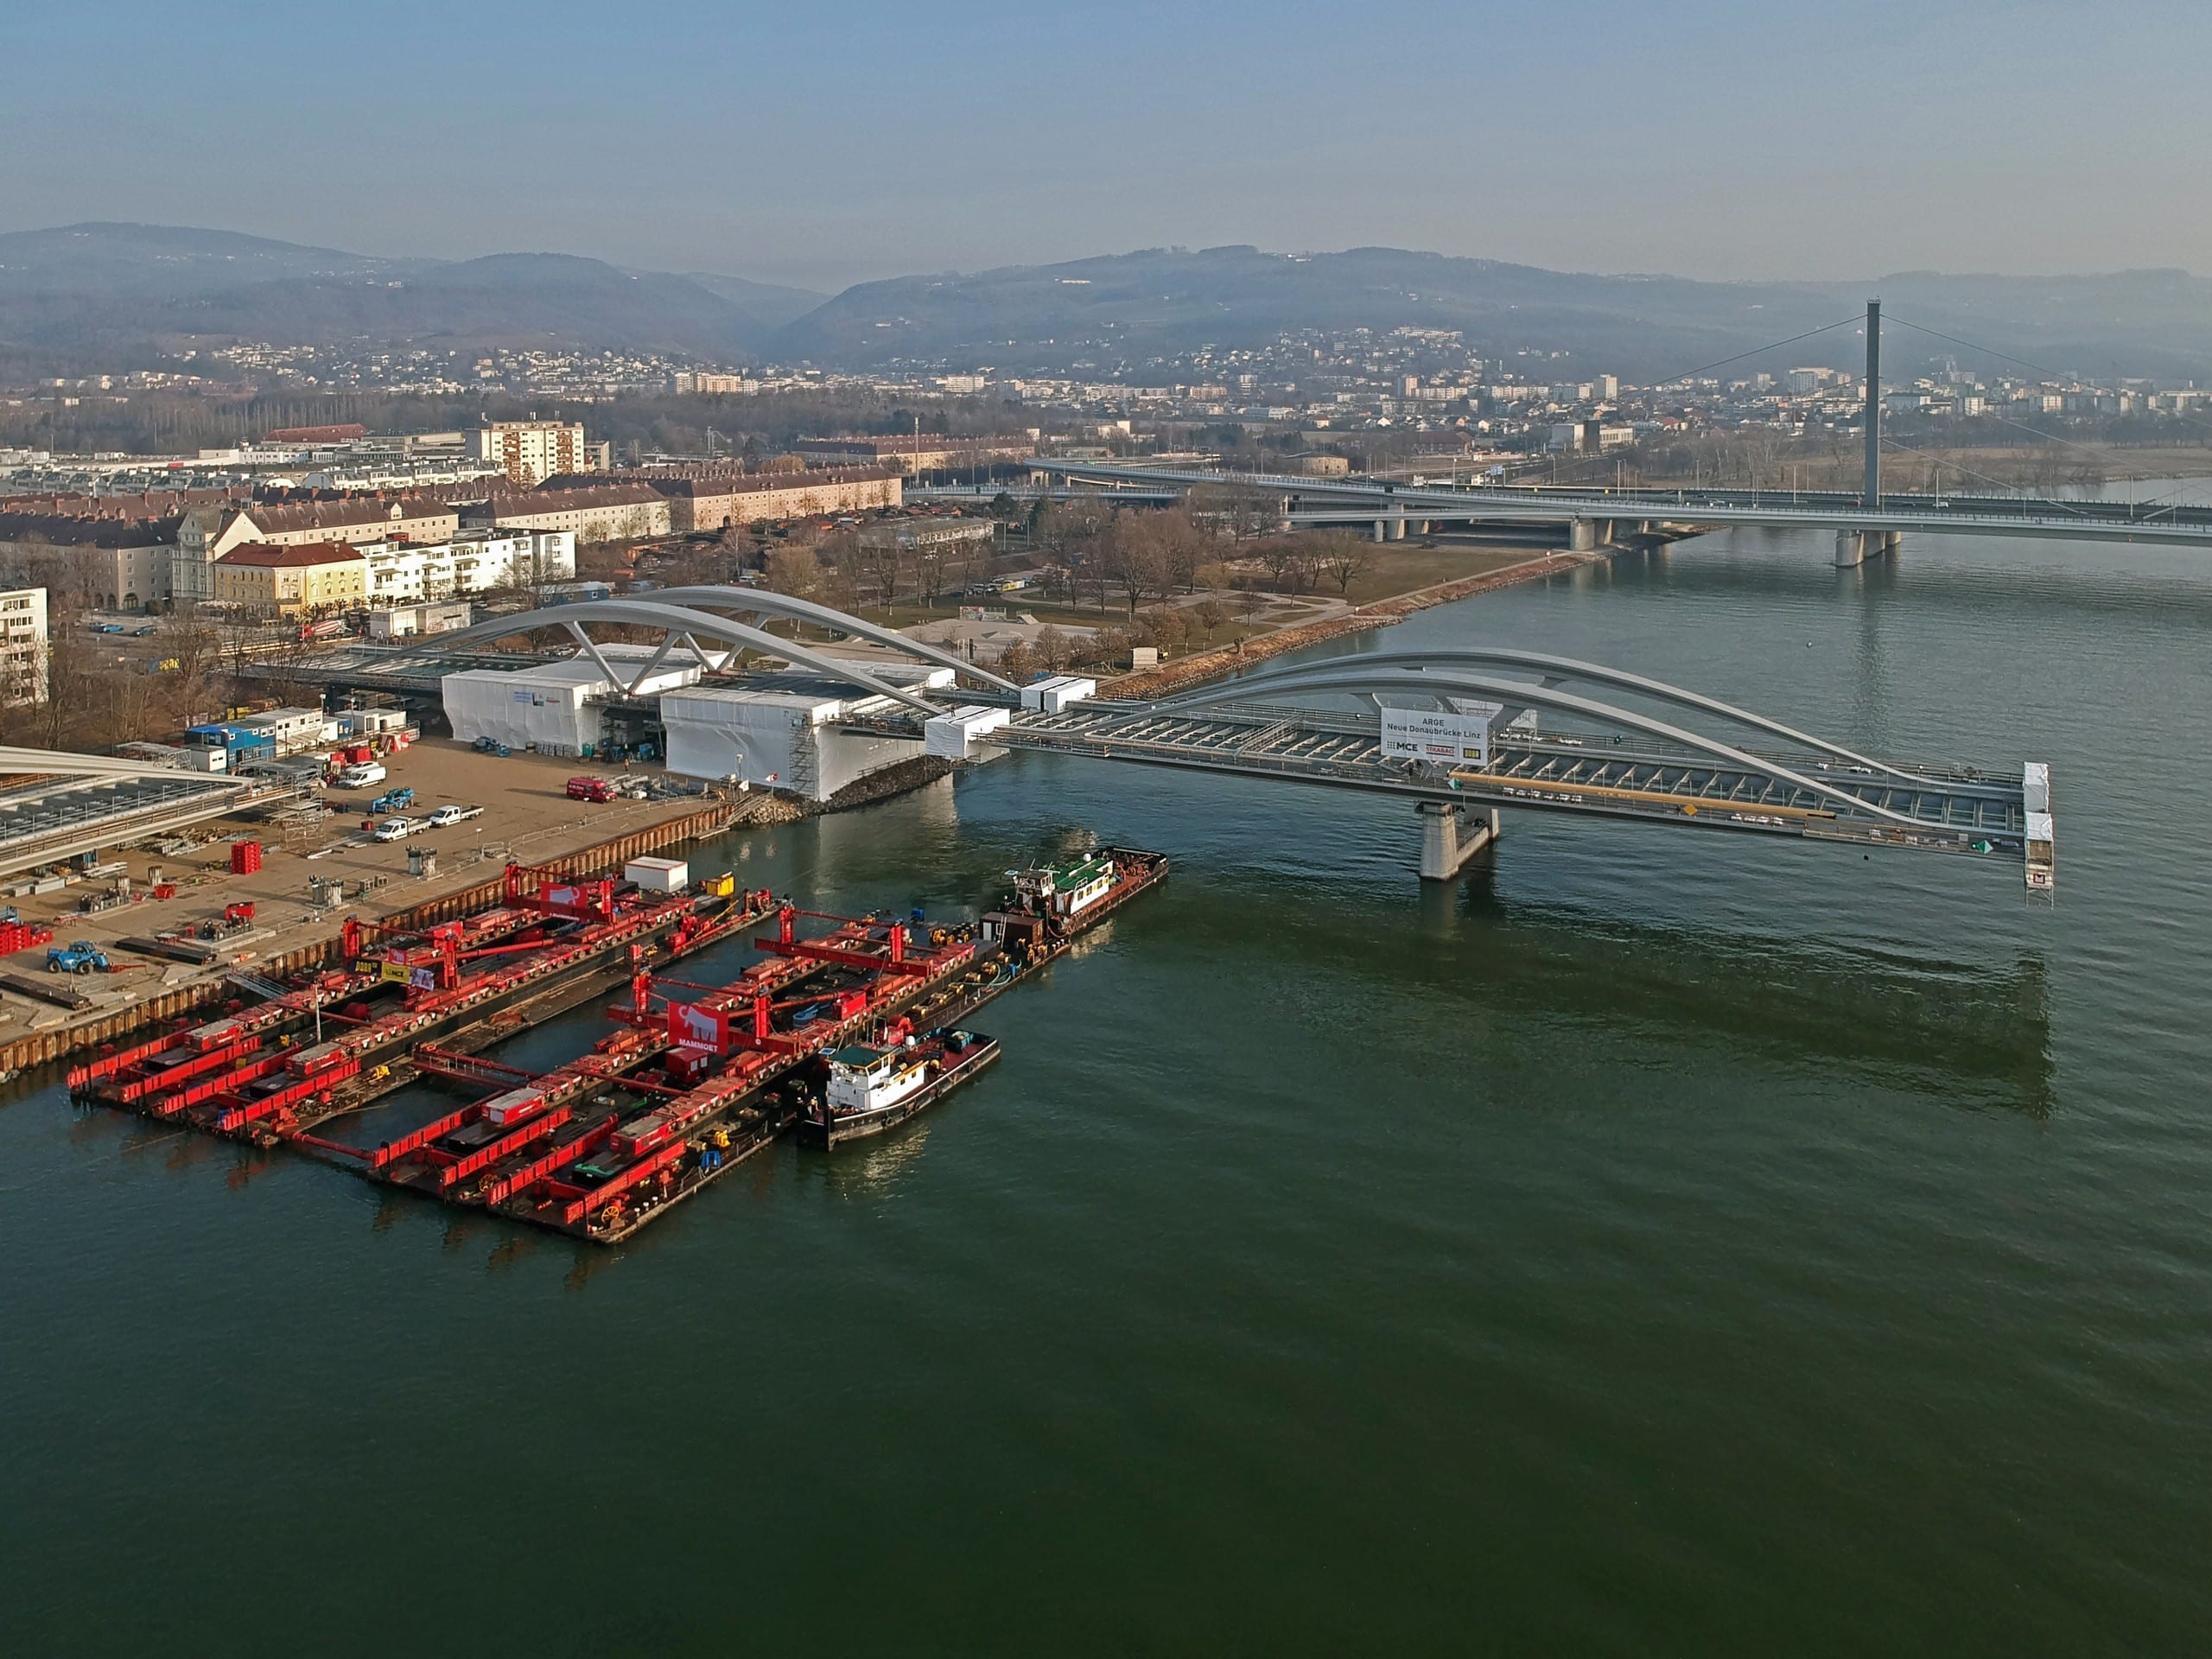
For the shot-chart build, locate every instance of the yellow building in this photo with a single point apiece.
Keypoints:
(318, 577)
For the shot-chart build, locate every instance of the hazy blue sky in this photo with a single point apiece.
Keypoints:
(823, 145)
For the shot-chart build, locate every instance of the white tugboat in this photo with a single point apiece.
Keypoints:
(874, 1087)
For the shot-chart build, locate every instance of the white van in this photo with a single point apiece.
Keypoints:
(361, 774)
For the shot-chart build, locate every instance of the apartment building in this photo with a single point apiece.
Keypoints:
(530, 452)
(914, 452)
(297, 580)
(123, 563)
(23, 646)
(474, 562)
(701, 500)
(207, 535)
(599, 512)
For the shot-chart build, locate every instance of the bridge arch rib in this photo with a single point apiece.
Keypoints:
(1568, 668)
(804, 610)
(680, 623)
(1338, 678)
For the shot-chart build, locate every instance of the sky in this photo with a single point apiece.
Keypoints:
(824, 145)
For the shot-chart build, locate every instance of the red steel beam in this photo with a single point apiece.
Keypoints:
(553, 1160)
(390, 1151)
(514, 1140)
(138, 1089)
(644, 1170)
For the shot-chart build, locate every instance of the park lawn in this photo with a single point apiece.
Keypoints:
(1404, 570)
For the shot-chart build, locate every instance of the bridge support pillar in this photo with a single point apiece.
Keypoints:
(1398, 528)
(1381, 530)
(1583, 536)
(1854, 547)
(1450, 835)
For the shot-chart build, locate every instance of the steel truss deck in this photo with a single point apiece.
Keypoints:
(1958, 810)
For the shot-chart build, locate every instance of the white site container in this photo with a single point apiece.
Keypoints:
(1051, 696)
(954, 736)
(501, 1110)
(658, 874)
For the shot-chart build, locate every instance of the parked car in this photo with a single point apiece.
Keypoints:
(361, 774)
(396, 828)
(590, 788)
(449, 815)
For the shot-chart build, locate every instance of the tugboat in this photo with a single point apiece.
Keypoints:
(1052, 903)
(874, 1087)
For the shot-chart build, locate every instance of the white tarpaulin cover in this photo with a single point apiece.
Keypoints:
(554, 707)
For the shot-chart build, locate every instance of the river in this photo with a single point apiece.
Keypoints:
(1665, 1241)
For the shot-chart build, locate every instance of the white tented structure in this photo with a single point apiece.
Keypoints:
(960, 734)
(785, 737)
(555, 707)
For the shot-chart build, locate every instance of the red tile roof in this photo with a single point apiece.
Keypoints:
(309, 553)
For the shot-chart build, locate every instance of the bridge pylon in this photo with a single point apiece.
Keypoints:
(1451, 834)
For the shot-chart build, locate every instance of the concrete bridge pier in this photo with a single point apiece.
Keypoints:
(1450, 835)
(1854, 547)
(1588, 535)
(1381, 530)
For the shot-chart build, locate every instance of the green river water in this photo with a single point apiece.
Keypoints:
(1665, 1243)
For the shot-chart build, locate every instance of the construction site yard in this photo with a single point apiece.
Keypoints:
(527, 818)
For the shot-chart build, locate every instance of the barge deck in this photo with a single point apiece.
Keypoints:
(688, 1089)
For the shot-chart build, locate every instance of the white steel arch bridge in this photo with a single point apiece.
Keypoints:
(1459, 733)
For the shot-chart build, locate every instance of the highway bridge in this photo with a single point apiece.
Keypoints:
(1590, 518)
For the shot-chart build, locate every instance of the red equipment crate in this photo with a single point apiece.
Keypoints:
(21, 936)
(245, 858)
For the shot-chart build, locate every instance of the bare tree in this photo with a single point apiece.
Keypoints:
(1345, 559)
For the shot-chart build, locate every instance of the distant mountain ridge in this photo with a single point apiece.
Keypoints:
(84, 290)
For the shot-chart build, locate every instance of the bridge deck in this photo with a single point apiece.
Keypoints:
(1958, 810)
(1357, 500)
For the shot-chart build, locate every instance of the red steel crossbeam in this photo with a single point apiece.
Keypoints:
(556, 1158)
(514, 1140)
(392, 1151)
(138, 1089)
(644, 1170)
(209, 1088)
(249, 1111)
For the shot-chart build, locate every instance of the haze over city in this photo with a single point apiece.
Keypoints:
(1721, 139)
(1142, 830)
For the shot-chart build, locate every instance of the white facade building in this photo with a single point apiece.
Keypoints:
(23, 646)
(474, 562)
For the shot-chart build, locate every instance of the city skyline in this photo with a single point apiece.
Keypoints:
(1716, 141)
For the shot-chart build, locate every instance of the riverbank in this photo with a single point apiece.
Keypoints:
(1198, 669)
